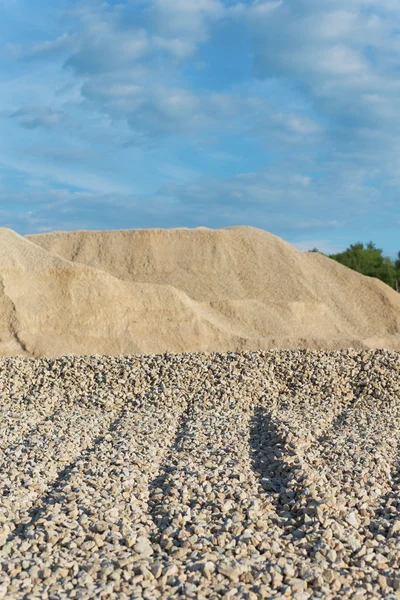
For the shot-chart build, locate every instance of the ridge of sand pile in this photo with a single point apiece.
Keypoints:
(149, 291)
(249, 475)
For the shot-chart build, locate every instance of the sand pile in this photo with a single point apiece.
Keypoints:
(149, 291)
(242, 475)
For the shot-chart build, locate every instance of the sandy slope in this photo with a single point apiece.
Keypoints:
(148, 291)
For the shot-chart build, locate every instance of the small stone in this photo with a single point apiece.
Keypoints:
(395, 527)
(230, 594)
(297, 585)
(157, 570)
(328, 575)
(227, 506)
(301, 596)
(331, 555)
(208, 567)
(353, 542)
(232, 570)
(170, 571)
(3, 590)
(143, 547)
(382, 581)
(351, 519)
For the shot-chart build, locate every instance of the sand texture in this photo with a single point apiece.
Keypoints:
(238, 476)
(182, 290)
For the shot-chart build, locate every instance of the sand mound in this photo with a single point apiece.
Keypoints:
(149, 291)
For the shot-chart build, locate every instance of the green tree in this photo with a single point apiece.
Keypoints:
(370, 261)
(397, 272)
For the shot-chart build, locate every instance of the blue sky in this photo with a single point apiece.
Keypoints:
(179, 113)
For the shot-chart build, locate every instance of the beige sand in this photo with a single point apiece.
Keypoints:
(183, 290)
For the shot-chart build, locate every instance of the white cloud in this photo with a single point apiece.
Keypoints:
(126, 35)
(187, 19)
(317, 131)
(49, 49)
(337, 52)
(342, 58)
(285, 199)
(126, 57)
(156, 109)
(176, 48)
(103, 47)
(86, 179)
(33, 117)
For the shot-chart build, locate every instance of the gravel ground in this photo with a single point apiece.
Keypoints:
(249, 475)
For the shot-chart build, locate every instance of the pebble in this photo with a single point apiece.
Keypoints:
(143, 547)
(215, 475)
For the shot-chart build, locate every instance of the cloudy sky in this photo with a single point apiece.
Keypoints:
(178, 113)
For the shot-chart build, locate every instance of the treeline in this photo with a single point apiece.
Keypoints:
(369, 260)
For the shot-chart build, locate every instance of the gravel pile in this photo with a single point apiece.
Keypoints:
(237, 475)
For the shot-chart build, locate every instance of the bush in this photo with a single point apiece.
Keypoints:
(370, 261)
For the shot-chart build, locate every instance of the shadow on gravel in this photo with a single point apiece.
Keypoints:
(26, 442)
(161, 485)
(388, 510)
(26, 439)
(267, 450)
(269, 453)
(54, 493)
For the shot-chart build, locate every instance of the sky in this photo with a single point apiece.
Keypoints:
(134, 114)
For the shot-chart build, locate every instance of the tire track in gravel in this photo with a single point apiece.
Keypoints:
(160, 485)
(306, 408)
(387, 522)
(355, 451)
(32, 467)
(383, 529)
(312, 485)
(275, 463)
(355, 487)
(98, 504)
(206, 511)
(282, 434)
(16, 420)
(27, 433)
(311, 504)
(211, 492)
(36, 511)
(21, 405)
